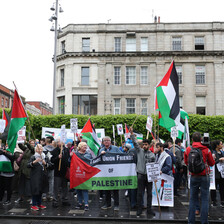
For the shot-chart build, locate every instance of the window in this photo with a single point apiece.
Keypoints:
(144, 44)
(117, 106)
(2, 102)
(117, 75)
(200, 75)
(6, 103)
(130, 44)
(130, 106)
(200, 105)
(130, 75)
(84, 104)
(62, 71)
(63, 51)
(179, 74)
(181, 101)
(117, 44)
(144, 76)
(86, 44)
(176, 43)
(144, 106)
(199, 43)
(61, 105)
(85, 76)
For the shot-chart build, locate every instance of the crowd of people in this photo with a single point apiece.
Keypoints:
(40, 173)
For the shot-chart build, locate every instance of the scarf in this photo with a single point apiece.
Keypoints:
(160, 158)
(42, 156)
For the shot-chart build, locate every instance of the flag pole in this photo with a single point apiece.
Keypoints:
(157, 196)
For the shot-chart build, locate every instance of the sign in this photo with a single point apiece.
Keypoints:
(21, 135)
(74, 125)
(2, 125)
(63, 134)
(174, 132)
(165, 191)
(113, 131)
(220, 167)
(56, 132)
(153, 171)
(120, 129)
(149, 124)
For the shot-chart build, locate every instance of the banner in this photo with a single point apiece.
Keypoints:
(165, 191)
(106, 172)
(55, 132)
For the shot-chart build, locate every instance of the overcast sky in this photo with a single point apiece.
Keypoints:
(27, 44)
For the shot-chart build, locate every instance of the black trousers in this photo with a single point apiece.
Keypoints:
(219, 182)
(142, 185)
(108, 197)
(5, 185)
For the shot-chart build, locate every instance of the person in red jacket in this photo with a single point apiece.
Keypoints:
(199, 181)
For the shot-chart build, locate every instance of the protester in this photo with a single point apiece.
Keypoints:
(47, 150)
(108, 148)
(61, 164)
(6, 176)
(38, 177)
(24, 171)
(83, 194)
(218, 155)
(199, 181)
(144, 155)
(163, 159)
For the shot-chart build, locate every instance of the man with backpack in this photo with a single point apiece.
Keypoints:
(198, 158)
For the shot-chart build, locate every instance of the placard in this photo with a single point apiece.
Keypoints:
(120, 129)
(153, 171)
(220, 167)
(174, 132)
(74, 125)
(21, 135)
(63, 134)
(149, 124)
(2, 125)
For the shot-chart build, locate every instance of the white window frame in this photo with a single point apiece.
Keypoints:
(130, 107)
(144, 44)
(84, 75)
(117, 75)
(200, 75)
(179, 73)
(130, 76)
(176, 43)
(199, 41)
(62, 77)
(117, 44)
(85, 46)
(144, 106)
(144, 75)
(117, 106)
(130, 44)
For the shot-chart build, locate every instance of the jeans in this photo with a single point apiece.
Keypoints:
(50, 174)
(132, 193)
(199, 183)
(83, 195)
(142, 184)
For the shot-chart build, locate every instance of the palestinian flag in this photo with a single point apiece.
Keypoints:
(135, 132)
(88, 132)
(5, 164)
(127, 133)
(5, 117)
(18, 118)
(167, 98)
(110, 171)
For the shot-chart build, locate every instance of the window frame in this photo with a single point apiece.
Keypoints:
(117, 75)
(62, 77)
(144, 106)
(177, 43)
(127, 78)
(129, 108)
(200, 77)
(117, 108)
(144, 46)
(130, 46)
(84, 76)
(143, 75)
(85, 46)
(117, 45)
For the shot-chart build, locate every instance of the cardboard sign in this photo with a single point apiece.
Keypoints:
(74, 125)
(153, 171)
(63, 134)
(174, 132)
(149, 124)
(120, 129)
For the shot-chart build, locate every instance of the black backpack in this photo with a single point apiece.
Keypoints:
(195, 161)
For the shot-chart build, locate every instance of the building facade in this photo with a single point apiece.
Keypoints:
(6, 97)
(114, 68)
(43, 108)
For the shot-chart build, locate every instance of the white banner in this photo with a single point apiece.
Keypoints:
(2, 125)
(165, 191)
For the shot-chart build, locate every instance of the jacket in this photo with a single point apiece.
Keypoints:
(217, 157)
(143, 157)
(207, 157)
(179, 156)
(111, 149)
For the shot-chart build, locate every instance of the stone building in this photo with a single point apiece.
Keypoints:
(114, 68)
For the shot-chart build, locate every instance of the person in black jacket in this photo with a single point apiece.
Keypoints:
(61, 163)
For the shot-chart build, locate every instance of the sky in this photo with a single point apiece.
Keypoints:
(27, 44)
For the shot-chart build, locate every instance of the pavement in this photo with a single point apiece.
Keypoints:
(22, 214)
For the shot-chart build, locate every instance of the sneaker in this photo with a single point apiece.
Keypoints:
(214, 204)
(7, 203)
(139, 212)
(41, 207)
(105, 207)
(44, 199)
(116, 208)
(19, 200)
(151, 212)
(34, 208)
(50, 198)
(79, 206)
(86, 208)
(222, 204)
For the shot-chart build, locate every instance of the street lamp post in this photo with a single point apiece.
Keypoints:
(54, 28)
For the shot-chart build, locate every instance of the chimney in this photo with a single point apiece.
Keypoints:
(155, 19)
(158, 19)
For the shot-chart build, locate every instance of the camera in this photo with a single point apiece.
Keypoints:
(205, 139)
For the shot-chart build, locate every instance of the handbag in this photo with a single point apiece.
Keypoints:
(67, 175)
(19, 159)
